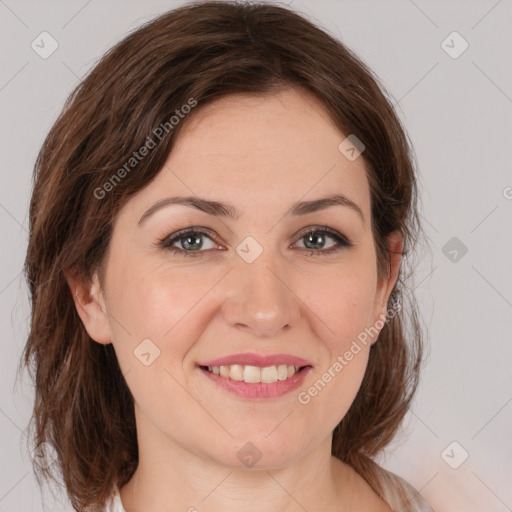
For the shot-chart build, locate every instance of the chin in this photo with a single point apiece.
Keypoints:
(255, 452)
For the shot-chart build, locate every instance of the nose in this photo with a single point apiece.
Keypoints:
(261, 300)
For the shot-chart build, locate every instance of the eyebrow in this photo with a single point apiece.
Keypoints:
(220, 209)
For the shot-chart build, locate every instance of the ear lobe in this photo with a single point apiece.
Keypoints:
(90, 305)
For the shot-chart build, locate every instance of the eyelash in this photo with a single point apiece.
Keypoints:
(168, 241)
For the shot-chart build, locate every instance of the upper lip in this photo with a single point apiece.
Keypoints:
(257, 360)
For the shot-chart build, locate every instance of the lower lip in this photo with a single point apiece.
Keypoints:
(259, 389)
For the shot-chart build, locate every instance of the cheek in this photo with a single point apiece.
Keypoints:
(151, 308)
(343, 300)
(347, 305)
(151, 300)
(152, 304)
(328, 397)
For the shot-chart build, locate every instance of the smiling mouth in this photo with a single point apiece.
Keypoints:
(255, 374)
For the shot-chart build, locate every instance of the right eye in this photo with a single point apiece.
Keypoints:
(190, 239)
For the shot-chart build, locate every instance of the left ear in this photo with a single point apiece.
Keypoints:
(386, 281)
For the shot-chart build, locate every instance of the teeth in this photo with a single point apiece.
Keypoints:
(236, 372)
(254, 374)
(282, 372)
(269, 374)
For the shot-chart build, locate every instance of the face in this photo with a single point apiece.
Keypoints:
(267, 286)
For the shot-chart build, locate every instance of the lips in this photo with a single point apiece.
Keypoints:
(256, 376)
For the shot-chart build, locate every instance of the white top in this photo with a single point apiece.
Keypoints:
(398, 494)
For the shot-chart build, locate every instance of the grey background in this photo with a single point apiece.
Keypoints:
(458, 114)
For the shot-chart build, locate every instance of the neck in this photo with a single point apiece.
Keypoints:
(174, 478)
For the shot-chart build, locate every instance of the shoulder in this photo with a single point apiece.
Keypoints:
(114, 502)
(399, 494)
(396, 492)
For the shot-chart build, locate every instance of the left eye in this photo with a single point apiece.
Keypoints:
(191, 241)
(318, 237)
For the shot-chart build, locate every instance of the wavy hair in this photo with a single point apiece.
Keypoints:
(206, 50)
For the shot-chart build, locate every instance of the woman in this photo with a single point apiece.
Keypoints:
(217, 231)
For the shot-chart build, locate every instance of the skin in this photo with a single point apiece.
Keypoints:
(261, 154)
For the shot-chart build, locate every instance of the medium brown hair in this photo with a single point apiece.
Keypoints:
(201, 51)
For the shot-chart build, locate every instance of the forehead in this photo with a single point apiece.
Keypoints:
(270, 150)
(286, 128)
